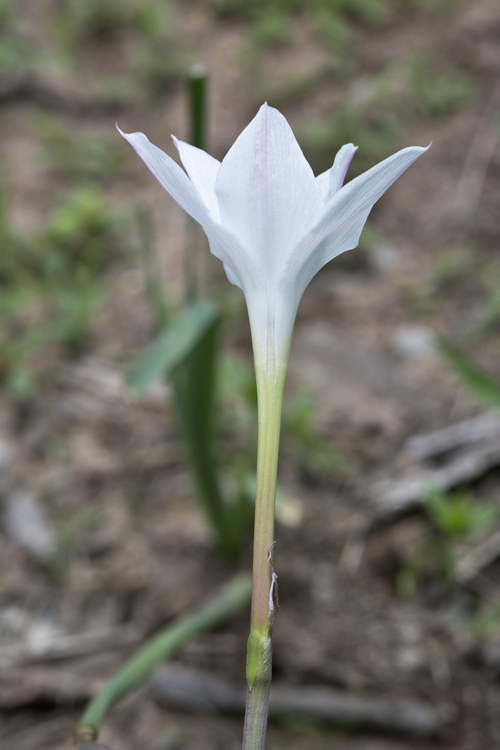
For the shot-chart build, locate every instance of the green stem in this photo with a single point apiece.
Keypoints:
(231, 598)
(254, 732)
(197, 90)
(197, 99)
(270, 384)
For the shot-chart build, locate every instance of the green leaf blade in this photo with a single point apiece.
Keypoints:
(173, 345)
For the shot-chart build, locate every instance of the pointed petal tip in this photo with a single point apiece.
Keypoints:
(423, 149)
(420, 150)
(175, 140)
(266, 110)
(128, 136)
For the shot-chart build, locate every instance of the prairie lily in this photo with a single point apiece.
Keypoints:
(269, 220)
(273, 225)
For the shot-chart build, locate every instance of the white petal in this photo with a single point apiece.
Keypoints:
(323, 182)
(223, 243)
(343, 219)
(169, 175)
(239, 265)
(230, 275)
(266, 190)
(340, 167)
(272, 316)
(332, 180)
(202, 170)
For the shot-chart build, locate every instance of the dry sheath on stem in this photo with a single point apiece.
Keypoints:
(274, 225)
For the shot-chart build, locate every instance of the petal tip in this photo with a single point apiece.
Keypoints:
(423, 149)
(130, 137)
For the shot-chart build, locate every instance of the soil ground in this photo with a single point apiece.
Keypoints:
(109, 471)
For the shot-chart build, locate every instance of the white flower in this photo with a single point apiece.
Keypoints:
(269, 219)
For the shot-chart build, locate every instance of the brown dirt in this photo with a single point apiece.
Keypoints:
(83, 441)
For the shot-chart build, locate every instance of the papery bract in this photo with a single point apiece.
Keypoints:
(269, 219)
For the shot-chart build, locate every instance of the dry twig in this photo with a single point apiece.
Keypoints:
(482, 427)
(67, 646)
(398, 495)
(190, 690)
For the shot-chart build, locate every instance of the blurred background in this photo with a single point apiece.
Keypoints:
(388, 526)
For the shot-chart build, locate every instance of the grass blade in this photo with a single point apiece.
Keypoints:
(173, 345)
(228, 600)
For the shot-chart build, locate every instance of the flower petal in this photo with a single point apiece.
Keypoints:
(202, 170)
(343, 219)
(239, 265)
(332, 180)
(323, 182)
(230, 275)
(340, 167)
(169, 175)
(272, 317)
(223, 243)
(266, 190)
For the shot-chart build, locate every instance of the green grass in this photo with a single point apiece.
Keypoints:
(335, 31)
(457, 514)
(80, 234)
(251, 10)
(269, 22)
(370, 12)
(154, 51)
(437, 92)
(15, 54)
(454, 517)
(17, 51)
(97, 156)
(52, 284)
(84, 19)
(6, 12)
(271, 28)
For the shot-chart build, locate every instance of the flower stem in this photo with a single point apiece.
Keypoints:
(270, 384)
(254, 732)
(270, 396)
